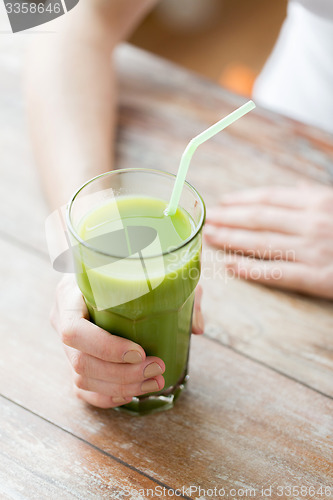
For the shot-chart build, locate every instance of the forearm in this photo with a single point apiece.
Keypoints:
(71, 96)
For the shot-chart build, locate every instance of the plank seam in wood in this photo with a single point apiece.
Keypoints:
(39, 253)
(100, 450)
(23, 245)
(265, 365)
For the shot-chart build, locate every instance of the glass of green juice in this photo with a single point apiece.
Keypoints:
(138, 268)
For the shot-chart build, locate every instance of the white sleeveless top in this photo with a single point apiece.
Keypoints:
(297, 79)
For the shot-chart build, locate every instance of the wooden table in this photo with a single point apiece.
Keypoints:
(258, 411)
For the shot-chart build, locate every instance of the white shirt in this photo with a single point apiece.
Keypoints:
(297, 79)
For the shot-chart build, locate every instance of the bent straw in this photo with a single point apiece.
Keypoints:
(192, 146)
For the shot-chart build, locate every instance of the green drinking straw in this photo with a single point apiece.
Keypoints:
(192, 146)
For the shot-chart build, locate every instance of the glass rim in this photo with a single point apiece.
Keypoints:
(84, 243)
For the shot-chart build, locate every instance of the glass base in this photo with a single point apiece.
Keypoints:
(165, 400)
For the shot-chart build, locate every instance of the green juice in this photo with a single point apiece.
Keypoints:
(138, 278)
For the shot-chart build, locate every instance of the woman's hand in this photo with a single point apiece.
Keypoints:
(278, 236)
(107, 370)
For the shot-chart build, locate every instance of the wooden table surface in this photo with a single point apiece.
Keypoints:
(257, 416)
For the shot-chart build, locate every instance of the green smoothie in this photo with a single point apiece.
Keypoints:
(145, 291)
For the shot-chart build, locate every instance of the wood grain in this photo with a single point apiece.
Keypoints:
(258, 409)
(287, 331)
(238, 422)
(161, 108)
(51, 463)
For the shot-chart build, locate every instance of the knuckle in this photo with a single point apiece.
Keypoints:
(67, 335)
(122, 377)
(80, 382)
(69, 332)
(79, 363)
(127, 375)
(319, 226)
(121, 391)
(77, 392)
(322, 255)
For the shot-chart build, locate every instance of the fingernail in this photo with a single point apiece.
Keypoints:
(152, 370)
(119, 400)
(149, 386)
(132, 357)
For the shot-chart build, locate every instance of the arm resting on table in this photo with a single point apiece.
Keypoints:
(71, 93)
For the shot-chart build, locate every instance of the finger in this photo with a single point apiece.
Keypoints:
(78, 332)
(288, 197)
(100, 400)
(258, 218)
(91, 339)
(198, 320)
(120, 373)
(70, 301)
(260, 244)
(288, 275)
(118, 390)
(69, 304)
